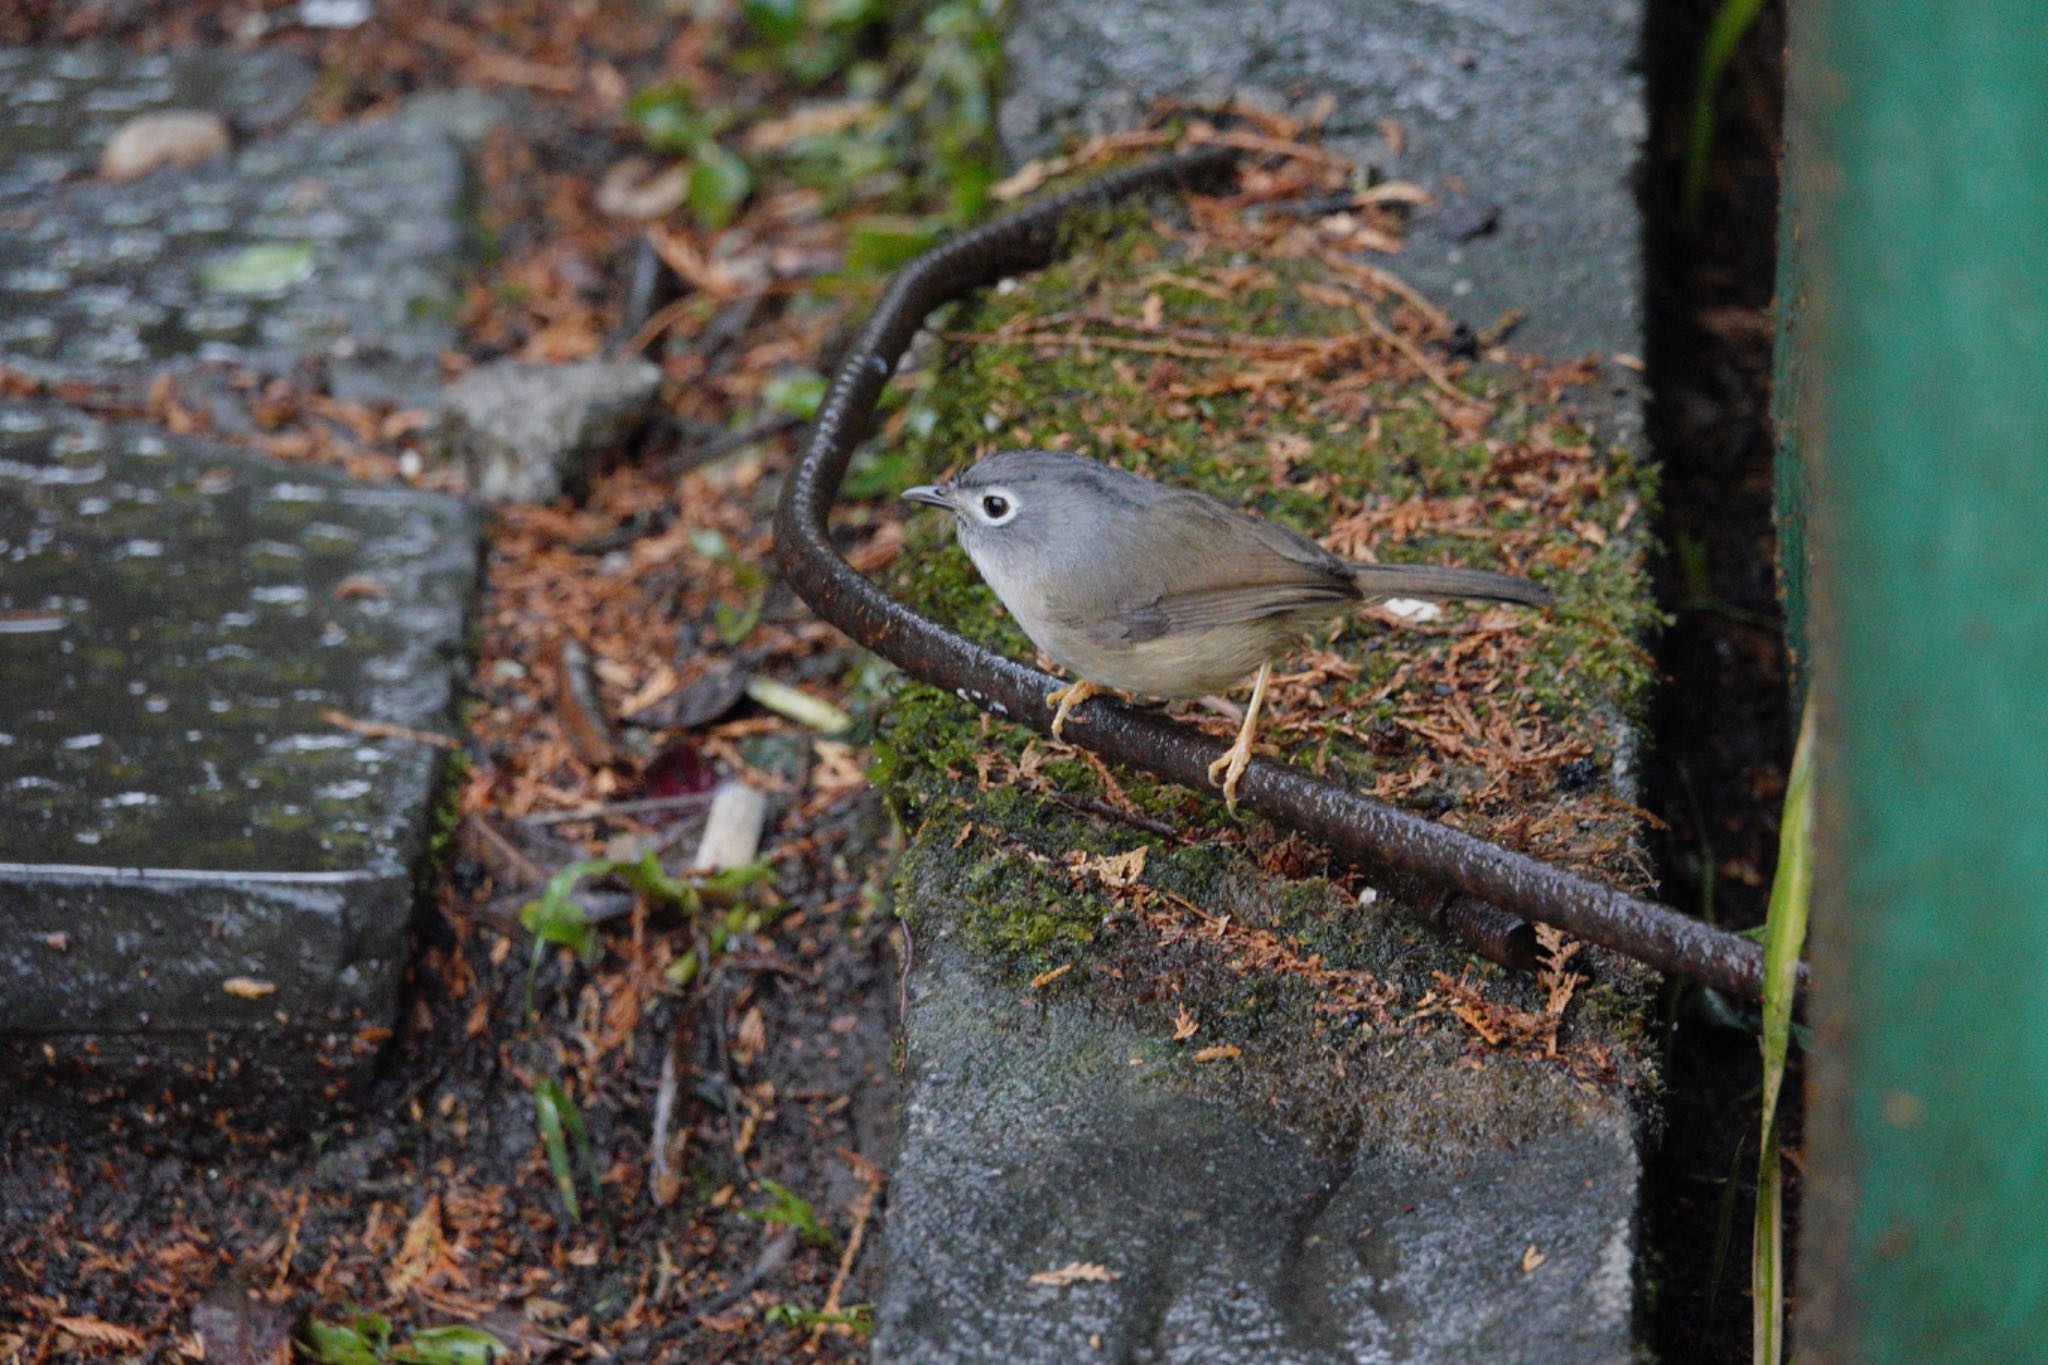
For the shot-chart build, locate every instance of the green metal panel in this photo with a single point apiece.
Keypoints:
(1788, 397)
(1919, 202)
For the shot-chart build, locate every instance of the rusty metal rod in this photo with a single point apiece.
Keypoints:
(1353, 825)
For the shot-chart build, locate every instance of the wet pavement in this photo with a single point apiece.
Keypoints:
(196, 845)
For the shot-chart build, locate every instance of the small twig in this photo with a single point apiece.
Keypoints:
(714, 1008)
(773, 1257)
(509, 865)
(768, 962)
(717, 446)
(291, 1242)
(379, 729)
(662, 1181)
(1088, 805)
(1430, 369)
(865, 1207)
(646, 805)
(578, 708)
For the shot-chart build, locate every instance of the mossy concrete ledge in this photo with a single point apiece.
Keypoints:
(1179, 1087)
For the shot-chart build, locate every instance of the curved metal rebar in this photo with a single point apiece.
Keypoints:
(1353, 825)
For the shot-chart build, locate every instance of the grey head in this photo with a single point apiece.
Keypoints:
(1022, 514)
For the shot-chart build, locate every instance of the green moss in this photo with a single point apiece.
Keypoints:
(1581, 672)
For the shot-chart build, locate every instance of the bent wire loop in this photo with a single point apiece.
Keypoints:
(1497, 884)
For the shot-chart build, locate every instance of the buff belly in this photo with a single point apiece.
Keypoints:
(1185, 664)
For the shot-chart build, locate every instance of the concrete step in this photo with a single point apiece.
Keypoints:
(206, 882)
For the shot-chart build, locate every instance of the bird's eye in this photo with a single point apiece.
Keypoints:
(995, 506)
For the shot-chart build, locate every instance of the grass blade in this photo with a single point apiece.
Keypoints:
(1731, 23)
(1784, 938)
(549, 1104)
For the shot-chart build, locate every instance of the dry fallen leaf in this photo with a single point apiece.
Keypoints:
(1532, 1258)
(1184, 1025)
(1075, 1272)
(1119, 870)
(659, 686)
(107, 1333)
(1222, 1052)
(248, 988)
(424, 1258)
(839, 767)
(750, 1038)
(361, 585)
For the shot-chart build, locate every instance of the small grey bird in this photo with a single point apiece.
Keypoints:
(1136, 587)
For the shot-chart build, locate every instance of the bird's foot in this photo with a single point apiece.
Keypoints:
(1231, 767)
(1233, 763)
(1065, 699)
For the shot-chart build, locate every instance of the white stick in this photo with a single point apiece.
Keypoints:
(732, 829)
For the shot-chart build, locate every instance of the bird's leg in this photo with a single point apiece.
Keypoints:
(1233, 764)
(1065, 699)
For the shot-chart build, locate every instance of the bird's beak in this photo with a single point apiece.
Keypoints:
(933, 493)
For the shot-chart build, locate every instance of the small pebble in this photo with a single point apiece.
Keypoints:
(169, 137)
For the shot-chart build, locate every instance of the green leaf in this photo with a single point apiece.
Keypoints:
(774, 21)
(652, 880)
(362, 1342)
(666, 118)
(261, 268)
(851, 15)
(859, 1316)
(719, 183)
(787, 1208)
(556, 917)
(722, 888)
(458, 1345)
(735, 624)
(797, 392)
(710, 544)
(882, 246)
(799, 706)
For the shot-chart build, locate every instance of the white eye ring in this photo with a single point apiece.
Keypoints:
(995, 506)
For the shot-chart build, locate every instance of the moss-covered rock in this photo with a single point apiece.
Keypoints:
(1313, 394)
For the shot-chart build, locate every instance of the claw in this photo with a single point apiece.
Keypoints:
(1232, 766)
(1233, 763)
(1065, 699)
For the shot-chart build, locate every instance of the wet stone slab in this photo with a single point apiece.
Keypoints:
(206, 884)
(59, 106)
(176, 615)
(327, 254)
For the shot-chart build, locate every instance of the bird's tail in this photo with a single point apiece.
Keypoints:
(1381, 581)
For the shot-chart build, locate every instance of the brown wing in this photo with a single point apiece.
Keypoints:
(1186, 562)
